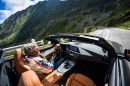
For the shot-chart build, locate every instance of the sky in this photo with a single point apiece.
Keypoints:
(9, 7)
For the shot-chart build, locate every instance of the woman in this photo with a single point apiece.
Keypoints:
(37, 61)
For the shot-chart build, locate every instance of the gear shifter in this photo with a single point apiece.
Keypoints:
(67, 65)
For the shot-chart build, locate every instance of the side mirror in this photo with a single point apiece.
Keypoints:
(127, 53)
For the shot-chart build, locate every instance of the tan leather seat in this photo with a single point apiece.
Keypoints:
(79, 80)
(29, 78)
(20, 62)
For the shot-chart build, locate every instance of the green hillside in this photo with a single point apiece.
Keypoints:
(55, 16)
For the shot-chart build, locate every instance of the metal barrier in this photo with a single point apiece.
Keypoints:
(9, 49)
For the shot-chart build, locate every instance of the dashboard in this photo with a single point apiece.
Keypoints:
(84, 51)
(72, 48)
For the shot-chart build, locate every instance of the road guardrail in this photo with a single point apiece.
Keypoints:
(9, 49)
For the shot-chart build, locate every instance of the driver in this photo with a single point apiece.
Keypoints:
(37, 61)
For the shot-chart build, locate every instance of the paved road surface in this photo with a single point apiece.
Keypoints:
(116, 35)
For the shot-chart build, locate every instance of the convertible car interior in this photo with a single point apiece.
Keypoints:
(82, 60)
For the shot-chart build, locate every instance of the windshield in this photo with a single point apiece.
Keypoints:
(118, 47)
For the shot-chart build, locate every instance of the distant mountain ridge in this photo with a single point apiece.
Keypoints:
(54, 16)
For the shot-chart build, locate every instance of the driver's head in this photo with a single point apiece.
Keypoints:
(31, 49)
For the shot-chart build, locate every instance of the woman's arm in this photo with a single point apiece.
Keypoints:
(49, 52)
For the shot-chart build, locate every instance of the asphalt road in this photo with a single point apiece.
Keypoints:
(114, 34)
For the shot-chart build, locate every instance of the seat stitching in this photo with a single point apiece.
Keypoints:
(79, 82)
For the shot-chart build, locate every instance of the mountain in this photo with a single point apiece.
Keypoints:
(54, 16)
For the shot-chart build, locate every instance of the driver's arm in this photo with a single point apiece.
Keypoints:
(50, 51)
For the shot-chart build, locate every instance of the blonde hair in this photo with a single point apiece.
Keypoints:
(28, 48)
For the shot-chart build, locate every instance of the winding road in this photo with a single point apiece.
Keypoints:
(114, 34)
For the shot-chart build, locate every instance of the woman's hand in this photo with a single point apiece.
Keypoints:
(57, 47)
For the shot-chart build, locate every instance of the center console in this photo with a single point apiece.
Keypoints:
(66, 66)
(52, 78)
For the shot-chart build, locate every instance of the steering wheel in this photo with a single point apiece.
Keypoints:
(58, 53)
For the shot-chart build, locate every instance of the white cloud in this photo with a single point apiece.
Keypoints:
(4, 14)
(12, 6)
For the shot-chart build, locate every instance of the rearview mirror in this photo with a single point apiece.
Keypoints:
(127, 53)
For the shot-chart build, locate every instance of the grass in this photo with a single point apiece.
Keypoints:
(9, 54)
(125, 25)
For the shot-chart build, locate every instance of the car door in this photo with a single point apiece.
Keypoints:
(120, 72)
(8, 76)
